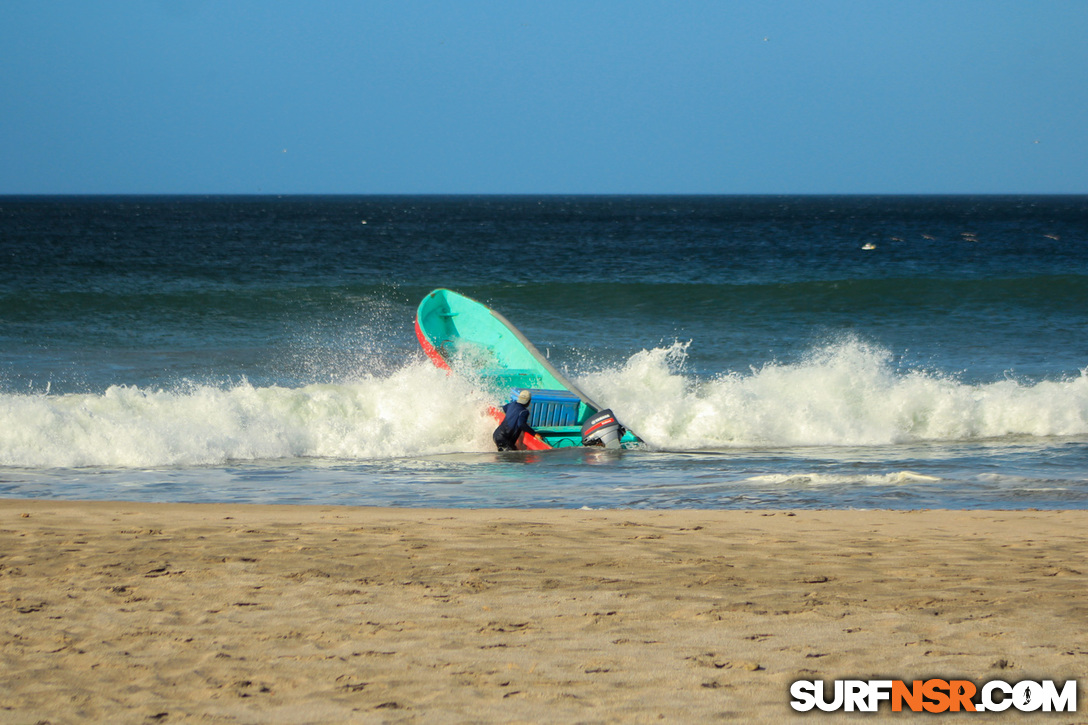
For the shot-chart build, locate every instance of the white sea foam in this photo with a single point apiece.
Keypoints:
(837, 479)
(417, 410)
(845, 394)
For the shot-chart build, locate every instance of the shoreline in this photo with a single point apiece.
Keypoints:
(162, 612)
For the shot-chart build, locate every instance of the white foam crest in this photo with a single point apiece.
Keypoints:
(823, 479)
(417, 410)
(848, 393)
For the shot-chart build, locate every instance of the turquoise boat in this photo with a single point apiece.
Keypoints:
(464, 336)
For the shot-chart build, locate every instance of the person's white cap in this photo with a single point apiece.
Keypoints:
(524, 397)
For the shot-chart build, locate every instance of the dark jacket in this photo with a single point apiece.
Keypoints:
(513, 424)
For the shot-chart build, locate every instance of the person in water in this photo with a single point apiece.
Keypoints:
(515, 423)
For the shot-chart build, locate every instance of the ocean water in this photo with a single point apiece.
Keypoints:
(785, 352)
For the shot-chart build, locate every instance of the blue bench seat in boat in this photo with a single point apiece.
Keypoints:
(550, 408)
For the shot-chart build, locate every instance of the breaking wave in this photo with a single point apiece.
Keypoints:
(849, 393)
(417, 410)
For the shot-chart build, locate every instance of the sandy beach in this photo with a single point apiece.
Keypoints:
(126, 612)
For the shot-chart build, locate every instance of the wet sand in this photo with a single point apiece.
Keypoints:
(124, 612)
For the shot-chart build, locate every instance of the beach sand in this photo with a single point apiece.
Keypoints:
(130, 612)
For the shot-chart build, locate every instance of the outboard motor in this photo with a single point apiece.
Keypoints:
(602, 430)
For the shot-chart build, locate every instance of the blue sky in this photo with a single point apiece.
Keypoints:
(407, 96)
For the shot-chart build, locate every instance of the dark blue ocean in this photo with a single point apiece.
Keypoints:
(786, 352)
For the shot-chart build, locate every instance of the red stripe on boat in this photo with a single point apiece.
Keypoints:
(430, 350)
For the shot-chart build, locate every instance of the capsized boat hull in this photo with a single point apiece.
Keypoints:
(462, 335)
